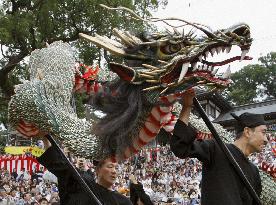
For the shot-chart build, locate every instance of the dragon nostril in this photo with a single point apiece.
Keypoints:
(242, 41)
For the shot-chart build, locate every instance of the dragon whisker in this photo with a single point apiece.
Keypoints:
(137, 17)
(150, 67)
(201, 82)
(152, 72)
(163, 91)
(146, 76)
(164, 62)
(152, 81)
(154, 19)
(122, 37)
(152, 88)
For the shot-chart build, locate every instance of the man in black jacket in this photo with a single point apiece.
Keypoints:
(70, 191)
(220, 183)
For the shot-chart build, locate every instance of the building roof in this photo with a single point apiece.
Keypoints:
(267, 108)
(216, 98)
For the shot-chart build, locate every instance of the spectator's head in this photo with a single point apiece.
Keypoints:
(81, 163)
(37, 196)
(13, 192)
(43, 201)
(22, 189)
(55, 196)
(251, 131)
(27, 196)
(66, 151)
(106, 171)
(33, 189)
(34, 181)
(3, 192)
(7, 188)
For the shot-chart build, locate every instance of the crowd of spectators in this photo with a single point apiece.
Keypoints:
(24, 188)
(165, 178)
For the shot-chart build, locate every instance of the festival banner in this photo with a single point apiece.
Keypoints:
(19, 150)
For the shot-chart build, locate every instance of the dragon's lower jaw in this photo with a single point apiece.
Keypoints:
(204, 70)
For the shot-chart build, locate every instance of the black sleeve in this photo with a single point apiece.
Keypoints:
(54, 162)
(184, 144)
(137, 192)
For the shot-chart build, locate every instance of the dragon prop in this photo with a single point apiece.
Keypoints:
(158, 68)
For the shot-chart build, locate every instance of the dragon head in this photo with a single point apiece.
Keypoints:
(170, 62)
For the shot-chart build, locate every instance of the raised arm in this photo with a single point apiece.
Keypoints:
(183, 142)
(137, 194)
(53, 160)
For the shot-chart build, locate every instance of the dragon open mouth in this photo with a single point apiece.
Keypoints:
(200, 67)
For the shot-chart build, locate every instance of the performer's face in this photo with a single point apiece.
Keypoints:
(257, 138)
(107, 173)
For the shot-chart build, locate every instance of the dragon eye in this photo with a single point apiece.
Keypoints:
(171, 48)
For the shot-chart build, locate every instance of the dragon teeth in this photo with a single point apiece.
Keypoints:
(243, 54)
(219, 49)
(215, 71)
(206, 54)
(213, 50)
(210, 68)
(227, 73)
(200, 58)
(184, 70)
(194, 66)
(205, 67)
(228, 49)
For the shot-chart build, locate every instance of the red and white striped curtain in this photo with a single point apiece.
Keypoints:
(18, 162)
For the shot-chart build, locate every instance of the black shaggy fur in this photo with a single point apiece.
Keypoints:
(122, 103)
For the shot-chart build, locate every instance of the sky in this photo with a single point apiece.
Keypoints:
(260, 15)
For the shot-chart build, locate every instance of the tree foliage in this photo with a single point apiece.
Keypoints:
(26, 25)
(254, 83)
(3, 136)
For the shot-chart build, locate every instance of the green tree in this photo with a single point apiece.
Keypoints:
(26, 25)
(3, 136)
(254, 83)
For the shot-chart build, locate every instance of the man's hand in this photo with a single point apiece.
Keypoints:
(187, 103)
(46, 143)
(188, 96)
(132, 179)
